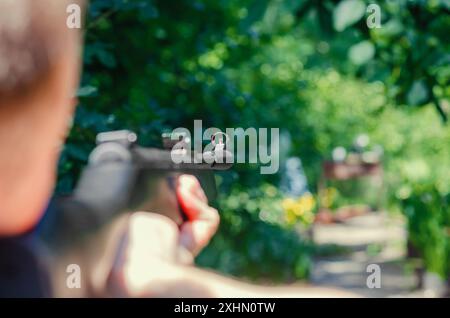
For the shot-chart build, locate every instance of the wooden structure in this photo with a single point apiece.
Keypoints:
(343, 171)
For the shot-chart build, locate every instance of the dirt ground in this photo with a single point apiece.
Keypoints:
(375, 238)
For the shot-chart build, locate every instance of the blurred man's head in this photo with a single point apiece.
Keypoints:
(39, 59)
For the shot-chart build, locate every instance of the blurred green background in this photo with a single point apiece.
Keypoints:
(314, 69)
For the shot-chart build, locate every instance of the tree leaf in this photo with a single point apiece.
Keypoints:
(86, 91)
(362, 52)
(418, 93)
(348, 12)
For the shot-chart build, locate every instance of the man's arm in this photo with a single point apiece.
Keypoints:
(194, 282)
(153, 270)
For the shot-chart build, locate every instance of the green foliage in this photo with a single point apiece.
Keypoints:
(312, 68)
(254, 239)
(410, 49)
(428, 213)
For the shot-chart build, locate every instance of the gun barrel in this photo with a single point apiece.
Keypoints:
(156, 159)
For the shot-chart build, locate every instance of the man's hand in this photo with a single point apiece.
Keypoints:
(154, 249)
(203, 220)
(148, 258)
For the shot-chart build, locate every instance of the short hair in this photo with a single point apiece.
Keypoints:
(33, 34)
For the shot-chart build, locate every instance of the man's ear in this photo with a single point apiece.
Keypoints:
(32, 129)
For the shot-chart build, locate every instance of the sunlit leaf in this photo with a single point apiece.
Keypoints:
(361, 52)
(348, 12)
(86, 91)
